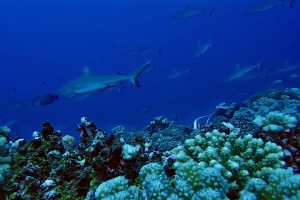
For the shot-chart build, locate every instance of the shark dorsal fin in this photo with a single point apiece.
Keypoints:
(209, 44)
(85, 71)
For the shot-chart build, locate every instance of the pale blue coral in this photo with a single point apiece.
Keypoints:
(118, 188)
(276, 121)
(210, 166)
(277, 111)
(241, 158)
(190, 182)
(155, 181)
(273, 184)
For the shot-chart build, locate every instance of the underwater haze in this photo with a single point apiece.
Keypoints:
(202, 52)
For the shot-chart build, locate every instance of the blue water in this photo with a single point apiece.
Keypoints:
(45, 44)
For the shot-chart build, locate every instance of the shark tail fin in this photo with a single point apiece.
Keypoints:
(261, 63)
(291, 3)
(135, 74)
(210, 13)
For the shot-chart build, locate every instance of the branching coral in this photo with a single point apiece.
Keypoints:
(238, 159)
(216, 166)
(191, 182)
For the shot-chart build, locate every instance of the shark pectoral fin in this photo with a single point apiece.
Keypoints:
(135, 74)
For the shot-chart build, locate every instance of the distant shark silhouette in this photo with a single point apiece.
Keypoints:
(86, 84)
(189, 12)
(240, 72)
(265, 6)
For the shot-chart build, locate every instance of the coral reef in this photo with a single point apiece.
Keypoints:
(238, 159)
(191, 182)
(272, 111)
(51, 164)
(250, 151)
(215, 166)
(5, 169)
(162, 133)
(272, 116)
(271, 181)
(243, 119)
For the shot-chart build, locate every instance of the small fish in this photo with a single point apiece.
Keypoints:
(201, 49)
(44, 99)
(222, 105)
(146, 110)
(197, 125)
(189, 12)
(176, 74)
(267, 5)
(278, 82)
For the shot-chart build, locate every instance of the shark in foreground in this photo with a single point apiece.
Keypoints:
(87, 84)
(241, 72)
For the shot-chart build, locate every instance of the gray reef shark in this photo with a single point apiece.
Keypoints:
(240, 72)
(201, 49)
(189, 12)
(14, 105)
(287, 67)
(145, 51)
(87, 84)
(268, 5)
(176, 74)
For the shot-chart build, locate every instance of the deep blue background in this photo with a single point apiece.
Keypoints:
(45, 44)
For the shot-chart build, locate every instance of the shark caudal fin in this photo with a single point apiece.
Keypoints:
(135, 74)
(290, 3)
(261, 63)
